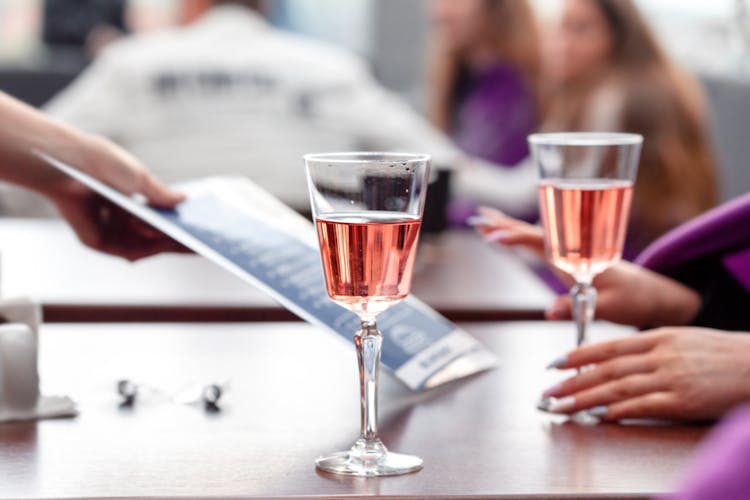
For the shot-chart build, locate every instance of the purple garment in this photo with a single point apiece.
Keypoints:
(739, 265)
(710, 254)
(495, 113)
(722, 231)
(721, 469)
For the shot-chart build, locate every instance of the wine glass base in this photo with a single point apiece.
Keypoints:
(369, 460)
(585, 418)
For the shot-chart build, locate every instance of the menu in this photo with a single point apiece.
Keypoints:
(245, 230)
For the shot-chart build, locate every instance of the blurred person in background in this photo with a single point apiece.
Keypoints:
(227, 94)
(605, 71)
(483, 78)
(90, 25)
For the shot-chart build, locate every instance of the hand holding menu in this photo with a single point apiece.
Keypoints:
(245, 230)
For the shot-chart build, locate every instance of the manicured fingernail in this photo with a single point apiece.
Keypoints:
(496, 235)
(554, 405)
(552, 391)
(544, 404)
(478, 220)
(558, 362)
(598, 411)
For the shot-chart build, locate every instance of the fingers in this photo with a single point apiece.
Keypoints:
(606, 372)
(157, 193)
(518, 236)
(500, 228)
(107, 228)
(661, 404)
(142, 249)
(136, 240)
(493, 218)
(494, 215)
(619, 386)
(603, 351)
(85, 228)
(606, 394)
(124, 172)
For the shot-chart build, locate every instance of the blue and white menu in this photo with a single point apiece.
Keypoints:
(245, 230)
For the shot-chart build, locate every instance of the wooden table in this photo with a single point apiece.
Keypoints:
(458, 274)
(294, 397)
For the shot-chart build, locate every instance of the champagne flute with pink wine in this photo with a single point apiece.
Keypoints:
(367, 209)
(584, 198)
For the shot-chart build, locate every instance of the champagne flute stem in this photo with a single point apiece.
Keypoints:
(584, 302)
(368, 341)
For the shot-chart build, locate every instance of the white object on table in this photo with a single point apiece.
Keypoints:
(19, 376)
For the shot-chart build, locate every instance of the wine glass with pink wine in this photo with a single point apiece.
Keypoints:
(585, 193)
(367, 209)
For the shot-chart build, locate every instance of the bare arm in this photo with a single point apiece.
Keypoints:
(97, 223)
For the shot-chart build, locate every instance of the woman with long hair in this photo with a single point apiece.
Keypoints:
(606, 71)
(483, 76)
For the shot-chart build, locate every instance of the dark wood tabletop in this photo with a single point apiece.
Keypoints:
(293, 397)
(456, 273)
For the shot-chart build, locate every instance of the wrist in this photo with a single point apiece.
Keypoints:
(78, 149)
(675, 306)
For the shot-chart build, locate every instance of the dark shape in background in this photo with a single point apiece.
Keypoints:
(69, 22)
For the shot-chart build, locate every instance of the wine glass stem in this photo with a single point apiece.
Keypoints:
(368, 341)
(584, 302)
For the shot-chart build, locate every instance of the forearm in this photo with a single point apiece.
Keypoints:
(24, 129)
(672, 303)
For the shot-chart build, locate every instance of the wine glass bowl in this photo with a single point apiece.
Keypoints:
(585, 193)
(367, 209)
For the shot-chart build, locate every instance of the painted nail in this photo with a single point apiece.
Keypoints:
(558, 362)
(544, 404)
(478, 220)
(598, 411)
(554, 405)
(496, 235)
(552, 391)
(562, 405)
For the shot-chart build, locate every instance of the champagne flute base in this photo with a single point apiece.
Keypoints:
(369, 459)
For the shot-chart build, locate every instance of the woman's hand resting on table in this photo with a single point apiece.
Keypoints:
(678, 373)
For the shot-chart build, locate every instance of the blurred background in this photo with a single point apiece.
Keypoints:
(711, 38)
(45, 46)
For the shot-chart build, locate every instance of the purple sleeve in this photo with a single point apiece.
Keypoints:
(721, 469)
